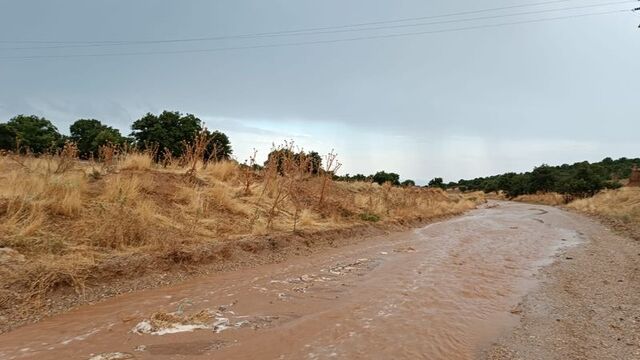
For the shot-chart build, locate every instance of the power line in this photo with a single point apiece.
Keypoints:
(317, 42)
(324, 32)
(308, 29)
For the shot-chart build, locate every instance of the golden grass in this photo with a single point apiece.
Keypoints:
(69, 221)
(137, 161)
(226, 171)
(550, 198)
(622, 204)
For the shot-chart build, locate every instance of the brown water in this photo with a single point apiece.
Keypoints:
(440, 292)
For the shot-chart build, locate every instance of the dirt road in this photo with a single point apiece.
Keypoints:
(445, 291)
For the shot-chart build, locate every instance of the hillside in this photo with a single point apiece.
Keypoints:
(71, 224)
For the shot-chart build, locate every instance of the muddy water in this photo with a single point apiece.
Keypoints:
(440, 292)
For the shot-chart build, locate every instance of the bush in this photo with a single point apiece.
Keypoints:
(369, 217)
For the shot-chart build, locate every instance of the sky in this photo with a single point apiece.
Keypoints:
(450, 102)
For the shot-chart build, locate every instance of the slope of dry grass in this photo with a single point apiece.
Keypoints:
(621, 204)
(71, 222)
(547, 198)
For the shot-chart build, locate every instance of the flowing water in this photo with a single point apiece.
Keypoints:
(443, 291)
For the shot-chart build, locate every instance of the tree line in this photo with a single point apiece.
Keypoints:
(165, 135)
(580, 179)
(380, 177)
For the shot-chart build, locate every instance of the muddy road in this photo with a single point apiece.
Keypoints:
(445, 291)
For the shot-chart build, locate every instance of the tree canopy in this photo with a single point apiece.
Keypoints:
(311, 160)
(90, 134)
(437, 182)
(219, 146)
(408, 183)
(382, 177)
(7, 137)
(171, 130)
(579, 179)
(35, 133)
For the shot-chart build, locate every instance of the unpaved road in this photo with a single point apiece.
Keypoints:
(445, 291)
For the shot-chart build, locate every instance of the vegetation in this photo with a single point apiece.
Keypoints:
(90, 134)
(408, 182)
(73, 220)
(166, 134)
(437, 182)
(581, 179)
(31, 133)
(382, 177)
(622, 204)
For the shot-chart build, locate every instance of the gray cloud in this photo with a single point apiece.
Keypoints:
(498, 99)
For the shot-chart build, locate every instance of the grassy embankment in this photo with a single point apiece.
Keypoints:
(619, 208)
(69, 224)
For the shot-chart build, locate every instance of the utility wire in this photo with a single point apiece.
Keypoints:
(317, 42)
(308, 29)
(324, 32)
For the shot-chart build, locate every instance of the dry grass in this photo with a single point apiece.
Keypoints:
(622, 204)
(549, 198)
(137, 161)
(68, 218)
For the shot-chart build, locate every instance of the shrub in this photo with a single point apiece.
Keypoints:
(369, 217)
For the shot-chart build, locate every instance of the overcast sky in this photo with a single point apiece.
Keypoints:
(455, 104)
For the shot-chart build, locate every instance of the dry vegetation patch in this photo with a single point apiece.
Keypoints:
(78, 223)
(544, 198)
(622, 204)
(620, 208)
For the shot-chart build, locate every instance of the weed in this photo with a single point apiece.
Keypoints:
(369, 217)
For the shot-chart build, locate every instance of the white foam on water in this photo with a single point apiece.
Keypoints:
(178, 328)
(79, 337)
(111, 356)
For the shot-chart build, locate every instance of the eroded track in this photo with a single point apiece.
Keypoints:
(444, 291)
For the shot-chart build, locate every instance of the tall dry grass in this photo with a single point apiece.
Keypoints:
(622, 204)
(547, 198)
(69, 216)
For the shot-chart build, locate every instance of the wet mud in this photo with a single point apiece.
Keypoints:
(444, 291)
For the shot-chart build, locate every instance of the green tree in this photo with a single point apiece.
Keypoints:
(7, 137)
(315, 162)
(382, 177)
(542, 179)
(169, 130)
(436, 182)
(278, 157)
(408, 183)
(312, 160)
(90, 134)
(36, 133)
(219, 146)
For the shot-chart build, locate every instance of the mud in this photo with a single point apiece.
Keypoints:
(444, 291)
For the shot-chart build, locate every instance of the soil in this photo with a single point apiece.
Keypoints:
(127, 273)
(506, 281)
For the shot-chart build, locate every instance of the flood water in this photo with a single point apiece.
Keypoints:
(440, 292)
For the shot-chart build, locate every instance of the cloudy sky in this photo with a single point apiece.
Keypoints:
(448, 96)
